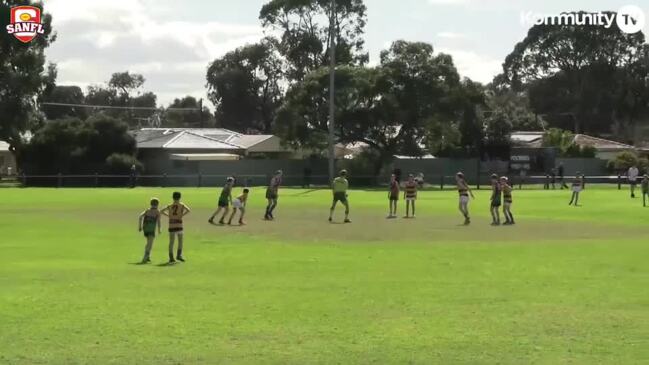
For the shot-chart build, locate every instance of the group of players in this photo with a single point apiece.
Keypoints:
(501, 196)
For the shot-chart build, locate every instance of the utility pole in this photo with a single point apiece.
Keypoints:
(332, 94)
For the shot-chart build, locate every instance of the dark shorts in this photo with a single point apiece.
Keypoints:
(496, 203)
(633, 182)
(149, 234)
(224, 203)
(394, 198)
(340, 197)
(270, 194)
(174, 230)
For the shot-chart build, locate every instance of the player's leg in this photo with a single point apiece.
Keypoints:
(179, 253)
(465, 206)
(234, 212)
(346, 204)
(333, 209)
(216, 213)
(413, 208)
(226, 210)
(577, 199)
(172, 238)
(407, 208)
(243, 213)
(147, 249)
(270, 204)
(272, 208)
(644, 199)
(572, 198)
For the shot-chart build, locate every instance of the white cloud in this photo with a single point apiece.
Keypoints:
(97, 38)
(448, 2)
(451, 35)
(474, 66)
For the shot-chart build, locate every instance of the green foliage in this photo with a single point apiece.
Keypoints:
(121, 164)
(564, 142)
(625, 160)
(186, 118)
(65, 95)
(498, 129)
(245, 85)
(73, 146)
(582, 78)
(23, 75)
(305, 33)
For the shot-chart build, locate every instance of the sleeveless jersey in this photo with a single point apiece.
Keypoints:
(150, 221)
(507, 194)
(176, 216)
(411, 190)
(462, 190)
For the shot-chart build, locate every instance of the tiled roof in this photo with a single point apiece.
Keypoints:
(4, 146)
(196, 138)
(600, 143)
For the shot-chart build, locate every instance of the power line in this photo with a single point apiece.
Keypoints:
(120, 107)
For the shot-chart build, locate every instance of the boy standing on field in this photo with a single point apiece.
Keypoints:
(225, 199)
(577, 187)
(496, 200)
(176, 212)
(645, 189)
(393, 196)
(632, 175)
(410, 195)
(148, 222)
(507, 200)
(339, 187)
(240, 204)
(272, 194)
(464, 191)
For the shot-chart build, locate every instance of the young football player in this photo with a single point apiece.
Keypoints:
(632, 176)
(496, 200)
(240, 204)
(225, 199)
(507, 200)
(339, 188)
(176, 212)
(410, 195)
(577, 187)
(393, 196)
(147, 223)
(272, 194)
(464, 191)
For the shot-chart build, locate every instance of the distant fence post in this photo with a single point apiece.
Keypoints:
(60, 180)
(96, 180)
(164, 179)
(441, 182)
(200, 179)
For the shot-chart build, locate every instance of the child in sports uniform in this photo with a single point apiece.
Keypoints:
(577, 187)
(225, 199)
(240, 204)
(339, 188)
(410, 195)
(507, 200)
(645, 189)
(464, 191)
(272, 194)
(393, 196)
(176, 212)
(148, 222)
(496, 200)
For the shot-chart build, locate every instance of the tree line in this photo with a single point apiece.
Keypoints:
(412, 102)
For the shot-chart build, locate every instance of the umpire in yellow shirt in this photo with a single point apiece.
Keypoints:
(340, 186)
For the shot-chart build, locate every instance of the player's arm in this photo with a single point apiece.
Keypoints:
(186, 210)
(159, 224)
(469, 190)
(139, 221)
(165, 211)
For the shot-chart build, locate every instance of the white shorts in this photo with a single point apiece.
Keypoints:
(464, 199)
(576, 189)
(411, 199)
(236, 203)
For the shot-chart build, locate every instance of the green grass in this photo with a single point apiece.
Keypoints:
(565, 286)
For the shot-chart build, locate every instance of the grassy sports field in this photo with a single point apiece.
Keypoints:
(565, 286)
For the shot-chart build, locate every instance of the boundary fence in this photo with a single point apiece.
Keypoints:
(440, 182)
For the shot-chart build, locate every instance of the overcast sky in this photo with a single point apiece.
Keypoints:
(172, 42)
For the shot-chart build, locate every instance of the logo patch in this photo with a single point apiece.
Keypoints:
(25, 23)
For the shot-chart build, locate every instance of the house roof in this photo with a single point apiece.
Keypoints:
(600, 143)
(196, 138)
(4, 146)
(535, 140)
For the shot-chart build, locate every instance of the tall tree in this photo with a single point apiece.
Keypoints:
(305, 32)
(64, 95)
(564, 67)
(245, 85)
(187, 118)
(23, 74)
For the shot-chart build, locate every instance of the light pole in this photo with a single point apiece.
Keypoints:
(332, 74)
